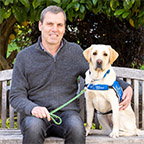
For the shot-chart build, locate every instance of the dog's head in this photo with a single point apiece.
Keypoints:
(100, 56)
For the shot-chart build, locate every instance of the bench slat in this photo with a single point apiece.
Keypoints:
(4, 103)
(6, 75)
(129, 73)
(18, 120)
(136, 101)
(11, 114)
(128, 81)
(81, 99)
(143, 105)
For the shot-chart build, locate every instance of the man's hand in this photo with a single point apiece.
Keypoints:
(41, 112)
(126, 98)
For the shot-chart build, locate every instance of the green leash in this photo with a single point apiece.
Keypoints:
(53, 116)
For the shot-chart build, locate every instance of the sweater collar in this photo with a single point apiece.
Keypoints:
(42, 48)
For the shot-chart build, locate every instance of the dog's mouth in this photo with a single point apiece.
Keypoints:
(99, 66)
(98, 69)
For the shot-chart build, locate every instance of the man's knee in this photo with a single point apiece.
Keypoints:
(75, 131)
(33, 126)
(73, 123)
(76, 125)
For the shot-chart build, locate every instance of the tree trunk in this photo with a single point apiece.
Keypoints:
(5, 31)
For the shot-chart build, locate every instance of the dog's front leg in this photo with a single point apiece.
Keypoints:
(90, 113)
(115, 117)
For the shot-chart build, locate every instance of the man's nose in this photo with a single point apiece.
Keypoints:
(54, 28)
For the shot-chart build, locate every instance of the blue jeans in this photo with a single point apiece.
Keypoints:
(72, 129)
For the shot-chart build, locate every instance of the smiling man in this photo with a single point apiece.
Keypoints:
(52, 28)
(45, 77)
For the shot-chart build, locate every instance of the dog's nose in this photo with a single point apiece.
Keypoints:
(99, 63)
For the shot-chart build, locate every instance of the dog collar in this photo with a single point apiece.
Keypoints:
(103, 76)
(116, 87)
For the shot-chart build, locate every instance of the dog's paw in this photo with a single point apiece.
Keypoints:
(87, 130)
(114, 134)
(87, 133)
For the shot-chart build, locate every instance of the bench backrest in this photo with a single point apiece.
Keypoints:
(7, 112)
(133, 76)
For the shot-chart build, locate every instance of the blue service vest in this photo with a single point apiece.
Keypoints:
(116, 86)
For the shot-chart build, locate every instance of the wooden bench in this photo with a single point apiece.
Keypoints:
(11, 135)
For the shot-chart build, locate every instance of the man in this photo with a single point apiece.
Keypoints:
(45, 77)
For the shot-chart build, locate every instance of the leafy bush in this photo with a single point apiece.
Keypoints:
(8, 124)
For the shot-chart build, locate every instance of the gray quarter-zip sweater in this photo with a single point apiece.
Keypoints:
(39, 79)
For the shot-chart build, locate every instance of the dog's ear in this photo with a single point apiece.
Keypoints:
(113, 55)
(86, 54)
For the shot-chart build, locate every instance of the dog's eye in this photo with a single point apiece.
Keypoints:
(95, 53)
(105, 54)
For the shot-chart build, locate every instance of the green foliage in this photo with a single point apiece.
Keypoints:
(98, 29)
(142, 67)
(93, 126)
(26, 3)
(12, 47)
(19, 13)
(8, 123)
(90, 21)
(131, 10)
(22, 35)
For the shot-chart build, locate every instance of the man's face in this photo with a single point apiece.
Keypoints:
(52, 28)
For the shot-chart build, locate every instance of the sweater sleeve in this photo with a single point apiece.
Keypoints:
(83, 64)
(18, 97)
(122, 83)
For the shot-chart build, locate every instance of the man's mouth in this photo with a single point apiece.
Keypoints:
(53, 35)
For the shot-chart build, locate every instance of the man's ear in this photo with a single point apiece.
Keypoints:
(40, 25)
(86, 54)
(113, 55)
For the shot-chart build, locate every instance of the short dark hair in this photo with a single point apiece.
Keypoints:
(52, 9)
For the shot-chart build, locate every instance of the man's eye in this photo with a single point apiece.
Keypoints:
(49, 24)
(60, 25)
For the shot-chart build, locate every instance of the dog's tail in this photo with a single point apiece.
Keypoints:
(140, 132)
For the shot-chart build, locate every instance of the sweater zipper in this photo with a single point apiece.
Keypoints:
(54, 59)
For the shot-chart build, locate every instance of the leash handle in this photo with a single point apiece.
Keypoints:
(53, 117)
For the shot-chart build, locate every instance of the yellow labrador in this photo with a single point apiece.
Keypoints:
(100, 76)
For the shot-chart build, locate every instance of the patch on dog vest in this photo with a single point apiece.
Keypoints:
(98, 87)
(117, 88)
